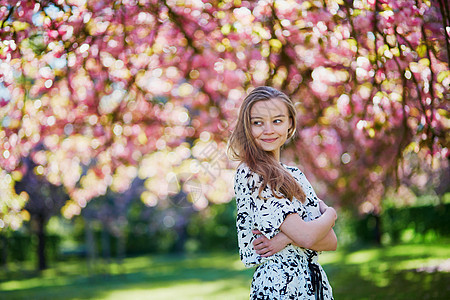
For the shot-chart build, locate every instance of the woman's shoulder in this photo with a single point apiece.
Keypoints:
(292, 169)
(243, 172)
(298, 175)
(242, 165)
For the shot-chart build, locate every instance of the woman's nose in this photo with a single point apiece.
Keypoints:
(268, 128)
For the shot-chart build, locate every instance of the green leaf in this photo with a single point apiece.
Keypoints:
(421, 50)
(308, 39)
(442, 75)
(424, 62)
(37, 43)
(19, 26)
(226, 29)
(274, 43)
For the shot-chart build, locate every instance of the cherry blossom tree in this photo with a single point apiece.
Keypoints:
(116, 90)
(44, 200)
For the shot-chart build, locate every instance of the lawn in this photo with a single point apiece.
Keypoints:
(395, 272)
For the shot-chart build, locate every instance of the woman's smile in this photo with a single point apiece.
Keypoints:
(269, 140)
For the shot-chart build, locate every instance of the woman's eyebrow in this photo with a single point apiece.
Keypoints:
(259, 117)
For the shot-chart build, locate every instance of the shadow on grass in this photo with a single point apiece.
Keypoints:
(394, 272)
(142, 273)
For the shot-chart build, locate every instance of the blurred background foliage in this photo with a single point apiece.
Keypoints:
(213, 229)
(115, 115)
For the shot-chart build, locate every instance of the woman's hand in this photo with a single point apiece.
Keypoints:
(265, 247)
(322, 206)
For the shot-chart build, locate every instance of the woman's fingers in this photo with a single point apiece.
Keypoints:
(258, 246)
(263, 252)
(261, 244)
(259, 240)
(322, 206)
(263, 249)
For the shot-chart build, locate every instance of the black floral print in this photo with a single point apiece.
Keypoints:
(292, 273)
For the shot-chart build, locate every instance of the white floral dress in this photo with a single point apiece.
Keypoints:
(292, 273)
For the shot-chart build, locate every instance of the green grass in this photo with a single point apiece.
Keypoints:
(395, 272)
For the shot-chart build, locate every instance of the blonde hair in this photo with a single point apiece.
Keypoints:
(243, 147)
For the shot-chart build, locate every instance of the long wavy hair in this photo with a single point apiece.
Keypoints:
(243, 147)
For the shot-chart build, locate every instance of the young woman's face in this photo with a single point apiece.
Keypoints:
(270, 123)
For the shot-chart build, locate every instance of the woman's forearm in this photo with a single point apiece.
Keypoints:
(328, 243)
(306, 234)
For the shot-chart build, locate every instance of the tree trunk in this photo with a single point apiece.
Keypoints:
(106, 248)
(90, 245)
(377, 229)
(121, 243)
(4, 247)
(181, 240)
(41, 242)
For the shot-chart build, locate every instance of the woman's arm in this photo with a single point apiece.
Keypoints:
(328, 243)
(306, 234)
(265, 247)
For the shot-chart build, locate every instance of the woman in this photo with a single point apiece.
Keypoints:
(280, 221)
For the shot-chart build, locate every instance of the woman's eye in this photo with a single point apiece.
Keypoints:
(257, 123)
(278, 121)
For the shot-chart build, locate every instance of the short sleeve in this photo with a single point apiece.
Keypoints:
(312, 201)
(271, 213)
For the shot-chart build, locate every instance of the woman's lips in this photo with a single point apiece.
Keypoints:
(269, 140)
